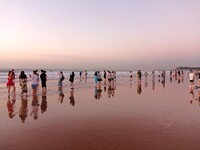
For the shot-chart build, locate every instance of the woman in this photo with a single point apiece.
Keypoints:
(71, 79)
(23, 82)
(10, 82)
(61, 78)
(95, 77)
(35, 79)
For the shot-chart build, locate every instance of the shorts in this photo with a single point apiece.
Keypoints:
(191, 81)
(34, 86)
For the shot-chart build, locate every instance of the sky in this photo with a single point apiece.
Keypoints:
(99, 34)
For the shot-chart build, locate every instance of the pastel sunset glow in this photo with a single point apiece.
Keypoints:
(118, 34)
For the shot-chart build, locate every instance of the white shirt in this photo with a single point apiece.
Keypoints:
(34, 79)
(191, 76)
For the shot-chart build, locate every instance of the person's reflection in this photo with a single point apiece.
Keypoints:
(139, 87)
(104, 87)
(131, 83)
(109, 91)
(153, 82)
(179, 80)
(99, 90)
(146, 83)
(71, 97)
(44, 102)
(11, 105)
(61, 94)
(23, 112)
(95, 92)
(35, 105)
(170, 78)
(163, 82)
(113, 89)
(191, 95)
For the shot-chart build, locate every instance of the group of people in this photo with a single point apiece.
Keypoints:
(35, 78)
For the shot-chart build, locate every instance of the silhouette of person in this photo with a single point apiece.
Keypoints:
(11, 106)
(44, 102)
(23, 111)
(71, 97)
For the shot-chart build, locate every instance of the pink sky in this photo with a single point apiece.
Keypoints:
(99, 34)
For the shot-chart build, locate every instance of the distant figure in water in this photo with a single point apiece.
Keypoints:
(71, 79)
(80, 74)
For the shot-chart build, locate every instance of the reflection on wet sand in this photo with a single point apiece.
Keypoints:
(11, 105)
(61, 94)
(71, 97)
(44, 102)
(97, 92)
(35, 107)
(139, 87)
(23, 111)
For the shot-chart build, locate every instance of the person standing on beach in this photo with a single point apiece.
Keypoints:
(43, 78)
(35, 79)
(61, 78)
(191, 78)
(130, 75)
(23, 82)
(198, 74)
(80, 74)
(71, 79)
(99, 77)
(10, 82)
(104, 76)
(95, 78)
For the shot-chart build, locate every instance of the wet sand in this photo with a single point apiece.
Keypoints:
(132, 116)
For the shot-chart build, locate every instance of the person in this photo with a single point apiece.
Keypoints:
(95, 78)
(139, 75)
(198, 75)
(23, 82)
(71, 79)
(10, 82)
(130, 74)
(99, 77)
(43, 78)
(191, 78)
(80, 74)
(104, 76)
(61, 78)
(35, 79)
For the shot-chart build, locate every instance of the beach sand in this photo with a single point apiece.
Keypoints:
(132, 116)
